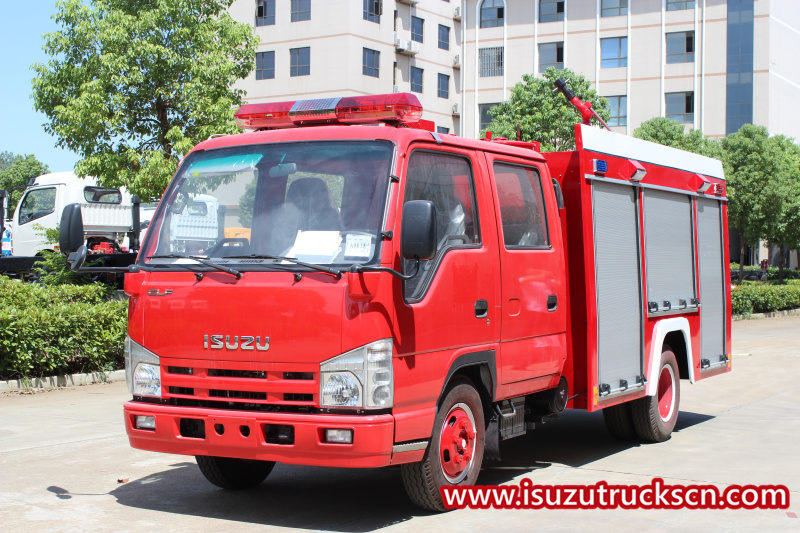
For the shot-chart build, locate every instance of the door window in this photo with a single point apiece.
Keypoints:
(446, 180)
(522, 210)
(37, 204)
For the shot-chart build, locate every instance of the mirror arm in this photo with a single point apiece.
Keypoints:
(393, 272)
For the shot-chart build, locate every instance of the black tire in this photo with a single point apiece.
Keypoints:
(648, 421)
(619, 421)
(422, 480)
(231, 473)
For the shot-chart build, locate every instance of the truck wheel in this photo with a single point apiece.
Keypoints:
(231, 473)
(455, 453)
(654, 417)
(619, 421)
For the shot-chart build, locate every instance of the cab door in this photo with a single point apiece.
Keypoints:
(532, 273)
(450, 307)
(36, 208)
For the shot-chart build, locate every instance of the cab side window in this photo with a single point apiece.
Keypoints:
(446, 180)
(37, 204)
(522, 210)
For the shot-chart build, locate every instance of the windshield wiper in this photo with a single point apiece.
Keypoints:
(201, 260)
(328, 270)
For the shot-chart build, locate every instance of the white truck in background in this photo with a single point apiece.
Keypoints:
(107, 214)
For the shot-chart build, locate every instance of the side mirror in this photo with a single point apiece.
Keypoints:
(70, 232)
(418, 230)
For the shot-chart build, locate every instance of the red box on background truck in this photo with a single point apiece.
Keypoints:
(379, 294)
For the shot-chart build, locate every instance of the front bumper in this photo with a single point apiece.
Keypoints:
(372, 435)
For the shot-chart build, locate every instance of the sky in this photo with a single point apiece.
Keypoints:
(22, 25)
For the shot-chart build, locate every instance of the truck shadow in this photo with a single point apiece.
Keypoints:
(356, 500)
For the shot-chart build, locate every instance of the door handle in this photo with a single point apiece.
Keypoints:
(481, 308)
(552, 302)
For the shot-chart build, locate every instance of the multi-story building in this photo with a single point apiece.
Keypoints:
(323, 48)
(710, 64)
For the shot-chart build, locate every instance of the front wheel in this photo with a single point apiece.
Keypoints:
(230, 473)
(654, 417)
(455, 453)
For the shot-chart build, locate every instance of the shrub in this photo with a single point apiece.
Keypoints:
(750, 298)
(772, 272)
(59, 330)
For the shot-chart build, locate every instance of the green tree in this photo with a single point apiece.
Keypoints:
(783, 230)
(664, 131)
(754, 162)
(16, 171)
(132, 85)
(543, 115)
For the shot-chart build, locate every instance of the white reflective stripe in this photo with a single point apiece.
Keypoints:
(616, 144)
(660, 331)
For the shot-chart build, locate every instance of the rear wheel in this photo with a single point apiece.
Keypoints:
(231, 473)
(654, 417)
(455, 453)
(619, 421)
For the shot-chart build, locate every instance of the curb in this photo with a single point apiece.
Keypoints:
(55, 382)
(788, 312)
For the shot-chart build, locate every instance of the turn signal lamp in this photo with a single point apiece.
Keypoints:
(393, 108)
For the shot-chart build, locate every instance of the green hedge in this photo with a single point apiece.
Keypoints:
(750, 298)
(59, 330)
(772, 272)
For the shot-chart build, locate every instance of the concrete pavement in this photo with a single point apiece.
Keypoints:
(65, 464)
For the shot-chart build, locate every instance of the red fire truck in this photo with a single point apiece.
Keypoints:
(380, 294)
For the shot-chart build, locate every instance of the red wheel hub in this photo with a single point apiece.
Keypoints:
(457, 444)
(666, 392)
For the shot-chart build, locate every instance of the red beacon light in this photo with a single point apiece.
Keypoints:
(395, 108)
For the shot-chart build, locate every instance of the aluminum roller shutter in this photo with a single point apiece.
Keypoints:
(669, 248)
(619, 299)
(712, 284)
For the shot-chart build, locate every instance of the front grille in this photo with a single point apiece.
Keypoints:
(249, 374)
(240, 384)
(237, 394)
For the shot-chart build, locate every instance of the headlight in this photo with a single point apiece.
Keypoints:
(359, 378)
(142, 370)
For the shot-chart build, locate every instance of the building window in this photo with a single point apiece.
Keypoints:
(492, 13)
(675, 5)
(491, 61)
(613, 8)
(370, 62)
(373, 10)
(442, 129)
(618, 107)
(551, 55)
(416, 29)
(443, 86)
(680, 47)
(614, 52)
(486, 118)
(265, 65)
(739, 65)
(265, 13)
(300, 61)
(551, 10)
(301, 10)
(416, 79)
(680, 107)
(444, 37)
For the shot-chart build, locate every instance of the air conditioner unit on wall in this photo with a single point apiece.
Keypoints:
(457, 108)
(401, 45)
(457, 13)
(457, 61)
(395, 88)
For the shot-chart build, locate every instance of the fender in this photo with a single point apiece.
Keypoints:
(485, 357)
(660, 331)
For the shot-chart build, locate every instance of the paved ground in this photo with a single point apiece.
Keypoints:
(63, 452)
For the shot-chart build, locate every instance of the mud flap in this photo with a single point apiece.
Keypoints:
(491, 446)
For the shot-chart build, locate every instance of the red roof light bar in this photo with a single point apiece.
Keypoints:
(394, 108)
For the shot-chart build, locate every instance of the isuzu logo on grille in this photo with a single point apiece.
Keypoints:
(235, 342)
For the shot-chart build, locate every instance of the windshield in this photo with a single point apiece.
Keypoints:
(317, 202)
